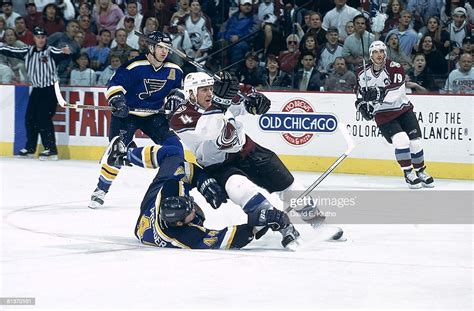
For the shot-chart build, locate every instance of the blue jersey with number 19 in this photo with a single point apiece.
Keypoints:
(143, 85)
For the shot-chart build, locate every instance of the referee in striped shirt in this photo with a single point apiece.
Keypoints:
(40, 61)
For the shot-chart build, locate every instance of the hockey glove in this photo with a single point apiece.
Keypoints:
(212, 192)
(372, 93)
(228, 137)
(273, 218)
(175, 99)
(366, 109)
(257, 104)
(225, 90)
(121, 109)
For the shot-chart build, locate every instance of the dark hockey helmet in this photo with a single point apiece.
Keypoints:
(157, 37)
(38, 31)
(175, 205)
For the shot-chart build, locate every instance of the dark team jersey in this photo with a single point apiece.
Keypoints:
(143, 85)
(392, 79)
(151, 230)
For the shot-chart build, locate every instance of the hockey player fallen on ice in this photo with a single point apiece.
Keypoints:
(169, 216)
(381, 94)
(207, 125)
(143, 82)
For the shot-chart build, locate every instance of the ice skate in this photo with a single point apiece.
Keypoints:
(426, 180)
(290, 237)
(413, 181)
(25, 154)
(48, 155)
(116, 153)
(97, 198)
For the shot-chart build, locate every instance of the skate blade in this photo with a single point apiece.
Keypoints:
(49, 158)
(428, 185)
(417, 186)
(293, 245)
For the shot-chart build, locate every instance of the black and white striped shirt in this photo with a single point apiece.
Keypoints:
(40, 65)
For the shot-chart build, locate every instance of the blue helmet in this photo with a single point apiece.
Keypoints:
(157, 37)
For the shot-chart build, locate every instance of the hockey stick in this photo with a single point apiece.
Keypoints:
(62, 102)
(186, 58)
(350, 147)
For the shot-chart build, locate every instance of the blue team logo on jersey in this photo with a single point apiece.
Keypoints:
(298, 122)
(151, 86)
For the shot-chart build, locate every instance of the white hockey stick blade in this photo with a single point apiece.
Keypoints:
(59, 96)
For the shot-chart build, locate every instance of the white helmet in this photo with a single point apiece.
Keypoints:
(194, 80)
(377, 46)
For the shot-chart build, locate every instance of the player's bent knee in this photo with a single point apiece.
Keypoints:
(400, 140)
(416, 145)
(169, 151)
(240, 189)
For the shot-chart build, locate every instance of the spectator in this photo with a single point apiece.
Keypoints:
(423, 10)
(183, 9)
(3, 26)
(395, 54)
(51, 20)
(251, 73)
(309, 43)
(330, 51)
(349, 28)
(275, 79)
(66, 9)
(394, 8)
(435, 61)
(85, 11)
(162, 12)
(420, 78)
(109, 71)
(107, 15)
(440, 36)
(79, 38)
(41, 4)
(448, 9)
(461, 81)
(22, 32)
(237, 26)
(82, 75)
(33, 17)
(99, 54)
(122, 49)
(289, 58)
(356, 46)
(307, 78)
(338, 17)
(193, 32)
(315, 28)
(90, 38)
(407, 37)
(271, 34)
(132, 38)
(151, 24)
(459, 28)
(8, 14)
(341, 79)
(17, 66)
(133, 53)
(142, 45)
(132, 11)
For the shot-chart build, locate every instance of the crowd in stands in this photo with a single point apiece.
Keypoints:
(301, 45)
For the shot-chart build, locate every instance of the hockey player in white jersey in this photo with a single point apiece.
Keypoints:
(381, 94)
(207, 126)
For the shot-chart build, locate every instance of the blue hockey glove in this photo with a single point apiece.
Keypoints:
(257, 104)
(212, 192)
(119, 103)
(270, 218)
(174, 99)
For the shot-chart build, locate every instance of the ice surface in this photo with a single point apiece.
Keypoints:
(68, 256)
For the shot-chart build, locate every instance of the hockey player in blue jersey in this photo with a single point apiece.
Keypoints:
(143, 82)
(169, 217)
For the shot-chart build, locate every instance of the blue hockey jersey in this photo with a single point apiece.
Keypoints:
(151, 230)
(143, 85)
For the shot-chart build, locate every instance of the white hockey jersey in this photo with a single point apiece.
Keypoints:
(203, 130)
(392, 80)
